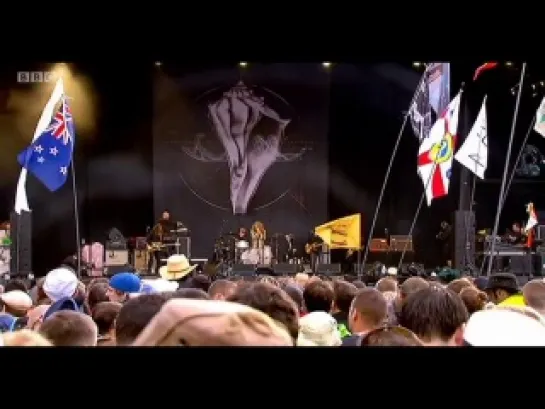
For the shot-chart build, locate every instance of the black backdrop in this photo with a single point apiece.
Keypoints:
(114, 163)
(191, 174)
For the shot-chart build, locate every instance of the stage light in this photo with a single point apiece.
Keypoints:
(509, 63)
(242, 64)
(417, 64)
(326, 64)
(533, 86)
(158, 63)
(542, 83)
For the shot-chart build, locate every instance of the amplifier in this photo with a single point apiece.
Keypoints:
(183, 246)
(286, 268)
(141, 259)
(378, 245)
(401, 243)
(329, 269)
(117, 258)
(243, 270)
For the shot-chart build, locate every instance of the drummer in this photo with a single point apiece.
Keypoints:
(243, 234)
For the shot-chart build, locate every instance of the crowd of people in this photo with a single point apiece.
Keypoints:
(185, 308)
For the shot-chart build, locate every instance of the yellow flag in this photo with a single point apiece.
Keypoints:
(343, 233)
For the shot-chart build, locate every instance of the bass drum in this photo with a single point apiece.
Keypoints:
(257, 256)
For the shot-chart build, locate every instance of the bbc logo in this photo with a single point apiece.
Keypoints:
(35, 76)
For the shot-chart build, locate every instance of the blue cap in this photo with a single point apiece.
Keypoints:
(63, 304)
(481, 283)
(7, 322)
(125, 282)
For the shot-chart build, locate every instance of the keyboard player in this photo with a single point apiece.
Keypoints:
(520, 239)
(515, 236)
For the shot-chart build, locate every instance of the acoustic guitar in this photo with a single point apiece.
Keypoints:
(312, 248)
(156, 246)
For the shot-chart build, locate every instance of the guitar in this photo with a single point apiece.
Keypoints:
(156, 246)
(312, 248)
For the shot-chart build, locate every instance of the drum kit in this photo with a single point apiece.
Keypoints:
(230, 249)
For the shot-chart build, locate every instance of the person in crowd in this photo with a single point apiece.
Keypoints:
(104, 316)
(198, 281)
(38, 294)
(409, 286)
(301, 279)
(343, 294)
(503, 289)
(36, 316)
(474, 299)
(193, 293)
(70, 329)
(15, 303)
(178, 268)
(272, 301)
(121, 285)
(15, 284)
(391, 316)
(135, 314)
(368, 312)
(533, 293)
(504, 327)
(436, 315)
(64, 291)
(24, 338)
(390, 336)
(184, 322)
(459, 284)
(318, 329)
(386, 284)
(359, 284)
(97, 293)
(221, 289)
(318, 296)
(296, 294)
(481, 283)
(60, 283)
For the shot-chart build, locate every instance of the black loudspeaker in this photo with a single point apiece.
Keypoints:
(284, 269)
(329, 269)
(21, 244)
(243, 270)
(464, 239)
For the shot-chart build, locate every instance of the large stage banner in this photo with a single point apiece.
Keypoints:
(234, 146)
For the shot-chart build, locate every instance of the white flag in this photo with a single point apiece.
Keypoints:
(473, 154)
(540, 119)
(436, 152)
(21, 200)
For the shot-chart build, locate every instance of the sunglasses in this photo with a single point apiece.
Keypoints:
(367, 339)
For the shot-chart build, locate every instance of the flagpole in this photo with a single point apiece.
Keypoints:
(417, 213)
(505, 169)
(519, 156)
(388, 170)
(513, 172)
(422, 197)
(76, 203)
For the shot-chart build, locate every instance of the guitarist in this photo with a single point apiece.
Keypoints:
(313, 248)
(155, 240)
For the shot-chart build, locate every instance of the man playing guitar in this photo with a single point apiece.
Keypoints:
(313, 248)
(155, 239)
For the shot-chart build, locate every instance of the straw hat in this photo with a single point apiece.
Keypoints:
(177, 268)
